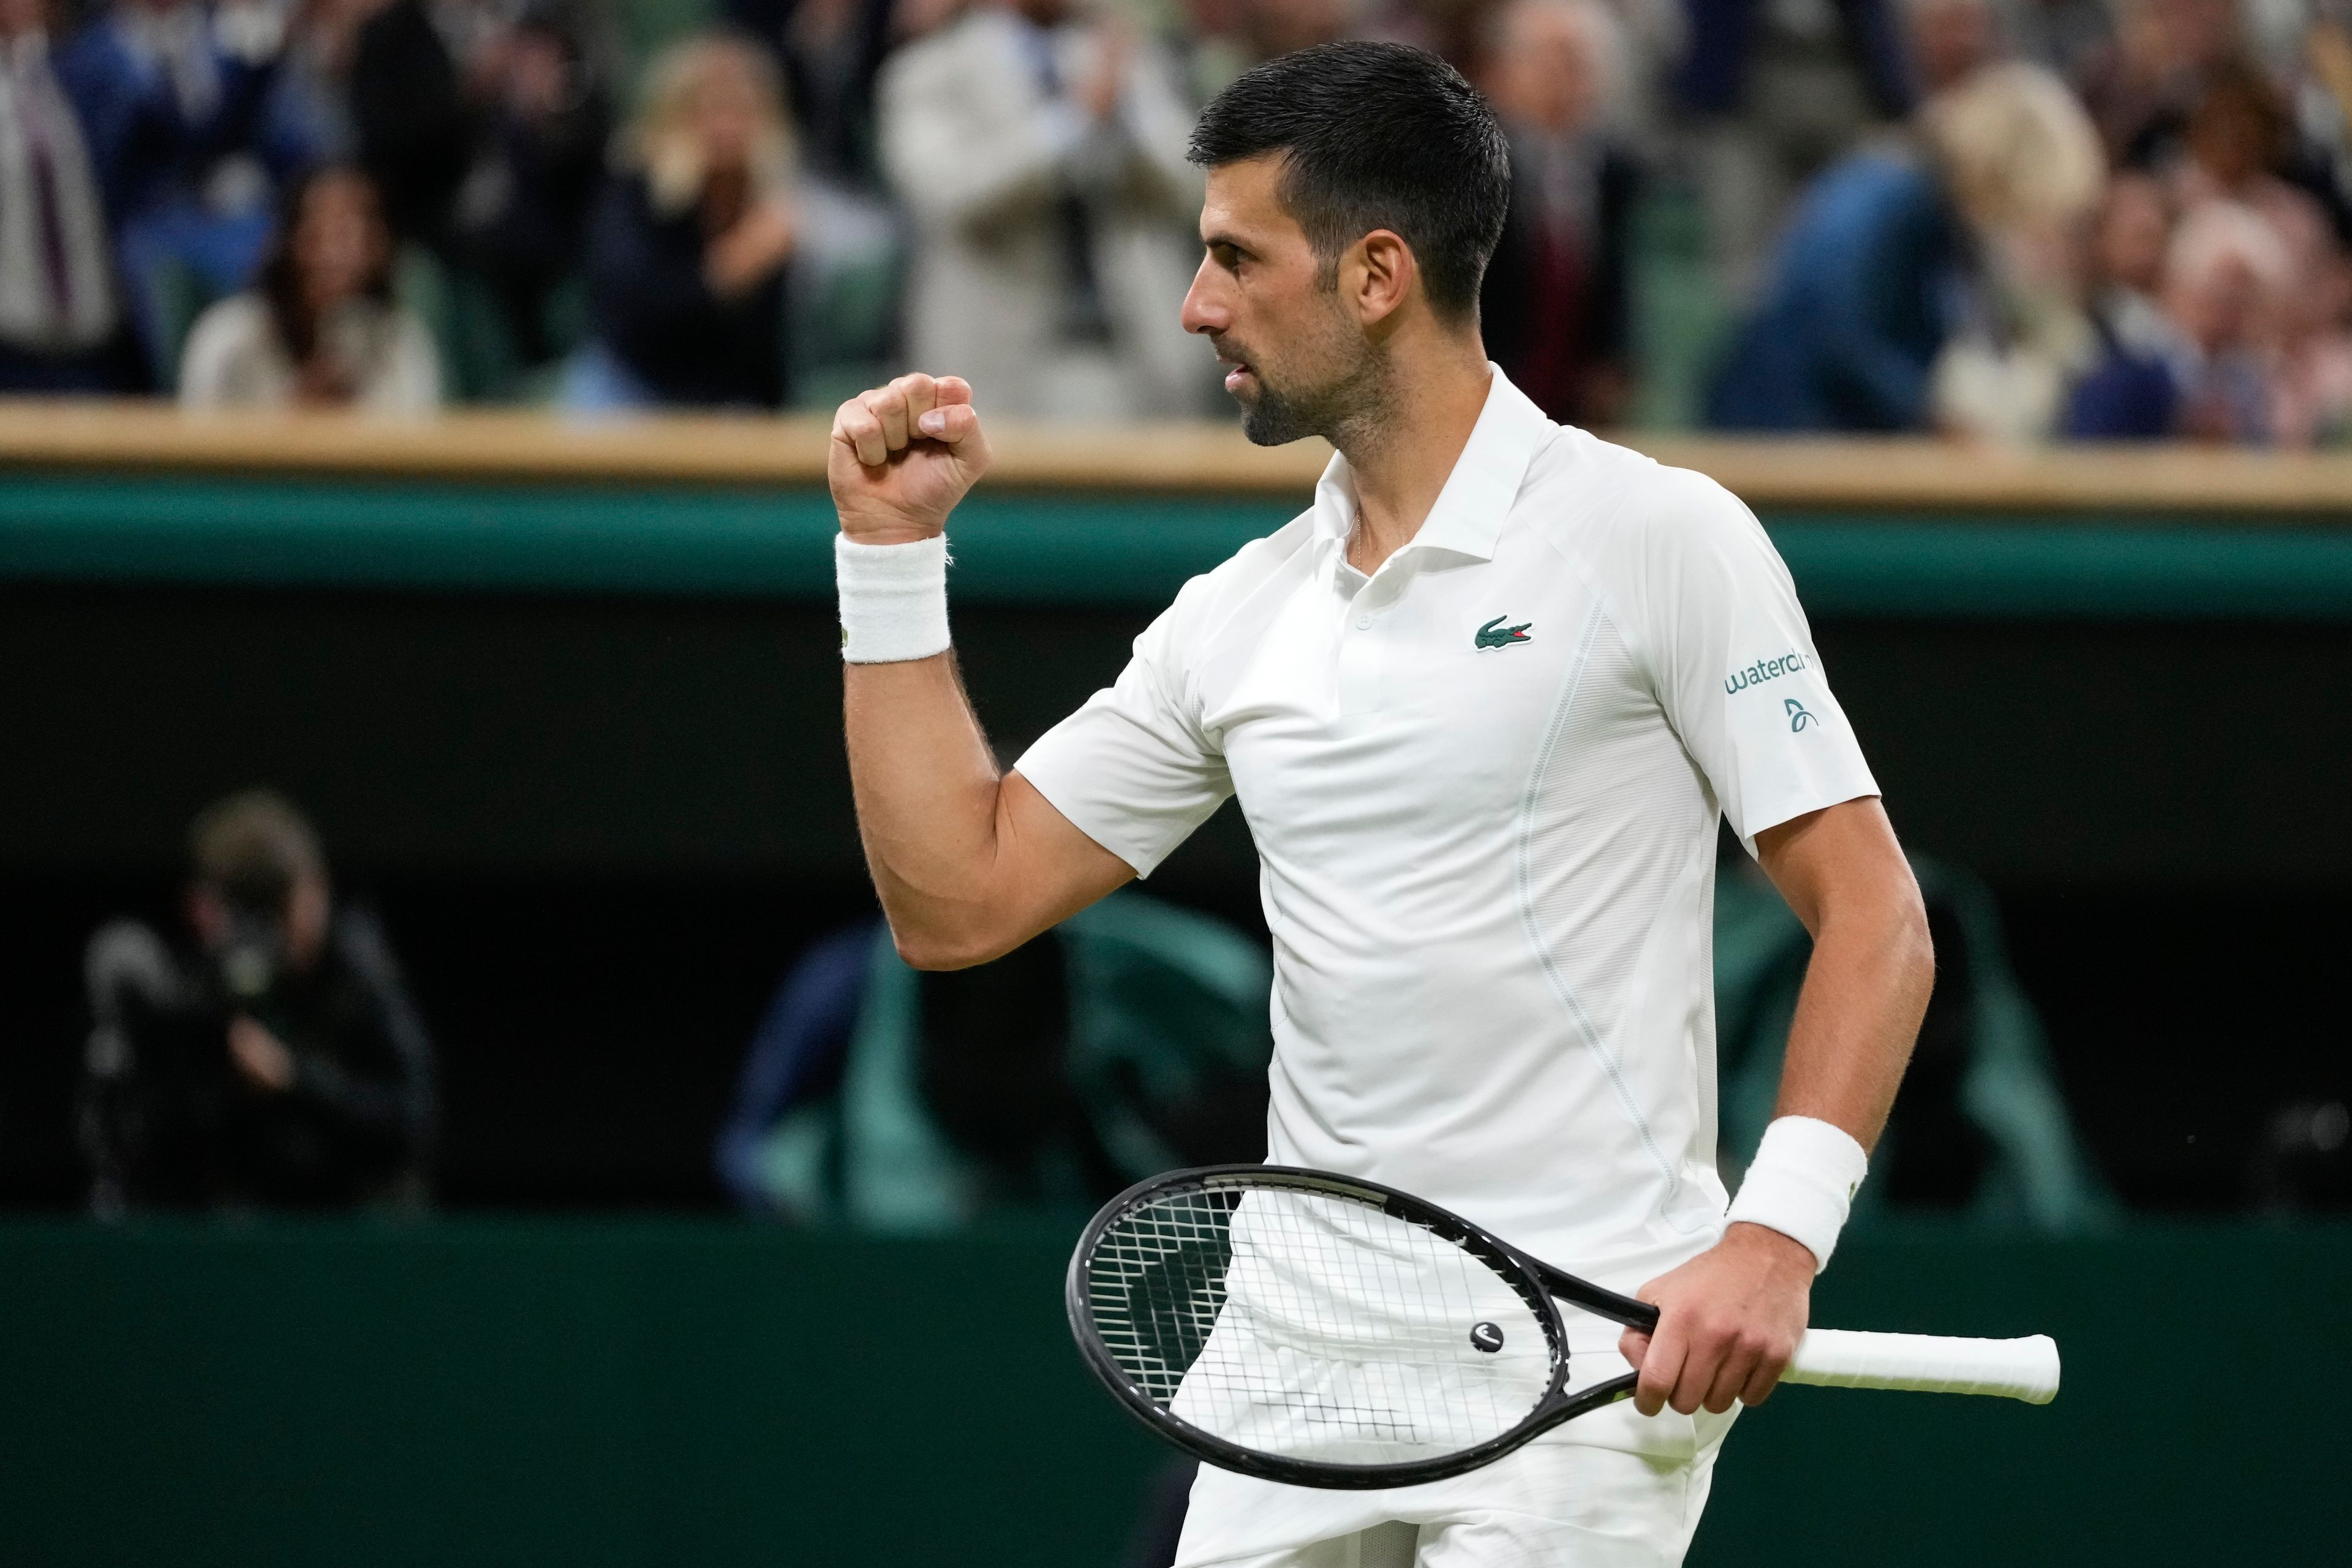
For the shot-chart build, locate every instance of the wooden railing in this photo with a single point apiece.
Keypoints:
(1892, 475)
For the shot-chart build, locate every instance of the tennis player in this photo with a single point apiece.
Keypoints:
(1484, 704)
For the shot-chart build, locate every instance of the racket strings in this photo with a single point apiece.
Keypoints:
(1313, 1325)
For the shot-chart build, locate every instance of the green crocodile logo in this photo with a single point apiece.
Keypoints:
(1494, 634)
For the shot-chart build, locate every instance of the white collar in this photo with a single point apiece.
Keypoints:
(1469, 512)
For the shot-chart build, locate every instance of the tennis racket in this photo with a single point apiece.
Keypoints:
(1333, 1332)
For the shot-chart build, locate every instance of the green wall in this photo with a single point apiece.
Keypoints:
(681, 1393)
(1074, 549)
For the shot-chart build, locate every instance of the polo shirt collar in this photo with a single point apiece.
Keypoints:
(1470, 510)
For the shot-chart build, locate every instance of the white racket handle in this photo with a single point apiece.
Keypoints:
(2023, 1369)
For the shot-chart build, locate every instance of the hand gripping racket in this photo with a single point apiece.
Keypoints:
(1333, 1332)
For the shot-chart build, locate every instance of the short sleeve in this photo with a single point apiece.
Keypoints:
(1133, 769)
(1734, 666)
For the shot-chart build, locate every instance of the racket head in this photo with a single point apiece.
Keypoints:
(1315, 1329)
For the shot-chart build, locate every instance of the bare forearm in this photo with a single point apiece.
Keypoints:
(1865, 993)
(1866, 988)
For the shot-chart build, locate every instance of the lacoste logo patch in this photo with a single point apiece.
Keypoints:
(1494, 634)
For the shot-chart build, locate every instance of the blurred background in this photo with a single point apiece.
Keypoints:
(457, 1101)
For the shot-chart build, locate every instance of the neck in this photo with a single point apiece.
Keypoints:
(1401, 452)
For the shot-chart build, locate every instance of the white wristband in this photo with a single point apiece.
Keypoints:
(1802, 1184)
(894, 599)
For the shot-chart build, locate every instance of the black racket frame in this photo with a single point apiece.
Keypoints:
(1536, 1283)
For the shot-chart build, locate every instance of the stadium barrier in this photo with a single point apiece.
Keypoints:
(641, 1393)
(735, 506)
(506, 642)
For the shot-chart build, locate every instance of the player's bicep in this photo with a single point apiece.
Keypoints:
(1133, 768)
(1056, 869)
(1838, 857)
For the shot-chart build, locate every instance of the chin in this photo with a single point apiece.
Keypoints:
(1270, 421)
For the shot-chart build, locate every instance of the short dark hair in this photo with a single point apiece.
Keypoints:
(252, 846)
(1375, 136)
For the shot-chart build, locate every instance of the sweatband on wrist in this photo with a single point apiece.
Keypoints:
(894, 599)
(1802, 1184)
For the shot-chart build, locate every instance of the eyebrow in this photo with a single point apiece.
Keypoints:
(1210, 241)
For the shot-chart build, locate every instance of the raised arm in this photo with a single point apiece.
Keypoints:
(1731, 1317)
(969, 861)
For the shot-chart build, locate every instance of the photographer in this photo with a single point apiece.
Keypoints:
(280, 1062)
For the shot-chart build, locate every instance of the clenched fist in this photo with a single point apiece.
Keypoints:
(902, 457)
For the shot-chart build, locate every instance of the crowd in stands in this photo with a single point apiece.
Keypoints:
(2011, 219)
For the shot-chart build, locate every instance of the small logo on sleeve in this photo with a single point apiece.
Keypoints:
(1494, 634)
(1798, 717)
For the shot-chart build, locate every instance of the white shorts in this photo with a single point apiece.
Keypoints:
(1553, 1504)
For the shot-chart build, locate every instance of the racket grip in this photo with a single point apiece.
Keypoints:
(2023, 1369)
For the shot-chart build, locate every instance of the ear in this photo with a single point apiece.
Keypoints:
(1378, 275)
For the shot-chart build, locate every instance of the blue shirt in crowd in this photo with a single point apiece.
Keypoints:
(1857, 306)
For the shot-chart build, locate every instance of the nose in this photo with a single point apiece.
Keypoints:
(1204, 310)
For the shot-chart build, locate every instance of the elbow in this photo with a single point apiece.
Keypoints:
(1914, 942)
(944, 949)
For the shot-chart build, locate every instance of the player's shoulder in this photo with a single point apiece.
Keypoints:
(1232, 600)
(1611, 505)
(1248, 571)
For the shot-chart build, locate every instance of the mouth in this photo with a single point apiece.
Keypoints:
(1239, 372)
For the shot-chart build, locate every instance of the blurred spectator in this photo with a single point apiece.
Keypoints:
(2142, 85)
(2209, 376)
(1222, 38)
(189, 140)
(1042, 159)
(314, 73)
(830, 52)
(1862, 296)
(2311, 379)
(1950, 41)
(1648, 38)
(521, 215)
(2061, 36)
(1451, 29)
(2322, 89)
(2128, 262)
(1130, 1040)
(320, 327)
(57, 274)
(2241, 144)
(2019, 336)
(1781, 89)
(1555, 308)
(410, 110)
(279, 1061)
(688, 248)
(484, 129)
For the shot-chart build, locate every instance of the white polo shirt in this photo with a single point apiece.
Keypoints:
(1484, 783)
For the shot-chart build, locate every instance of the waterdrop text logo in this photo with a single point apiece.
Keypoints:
(1762, 670)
